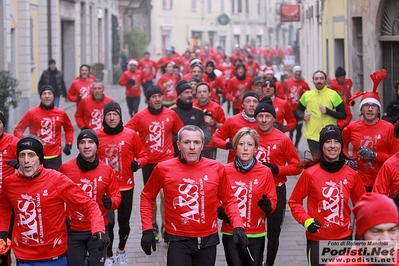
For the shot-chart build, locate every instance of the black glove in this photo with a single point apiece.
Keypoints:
(239, 237)
(148, 241)
(279, 126)
(353, 103)
(79, 98)
(103, 240)
(265, 204)
(229, 146)
(13, 163)
(3, 235)
(222, 215)
(314, 226)
(107, 201)
(135, 165)
(131, 82)
(272, 167)
(67, 149)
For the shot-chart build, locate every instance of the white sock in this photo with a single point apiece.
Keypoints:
(119, 251)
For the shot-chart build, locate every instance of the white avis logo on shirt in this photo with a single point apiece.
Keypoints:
(332, 204)
(156, 136)
(96, 120)
(241, 89)
(47, 131)
(29, 219)
(84, 91)
(262, 154)
(89, 187)
(241, 194)
(113, 154)
(294, 94)
(191, 201)
(169, 88)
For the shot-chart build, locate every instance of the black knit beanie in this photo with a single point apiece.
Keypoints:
(330, 132)
(31, 143)
(45, 88)
(112, 106)
(181, 86)
(250, 93)
(87, 133)
(154, 89)
(265, 107)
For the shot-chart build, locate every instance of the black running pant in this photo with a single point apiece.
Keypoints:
(133, 104)
(146, 85)
(274, 224)
(314, 146)
(298, 129)
(234, 255)
(124, 213)
(186, 253)
(147, 170)
(81, 242)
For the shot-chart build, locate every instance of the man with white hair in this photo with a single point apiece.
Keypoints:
(191, 229)
(132, 78)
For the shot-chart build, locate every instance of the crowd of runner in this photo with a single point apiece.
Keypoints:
(174, 142)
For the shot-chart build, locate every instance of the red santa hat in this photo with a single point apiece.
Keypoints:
(268, 70)
(371, 96)
(133, 61)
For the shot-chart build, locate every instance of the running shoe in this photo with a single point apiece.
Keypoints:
(109, 261)
(121, 259)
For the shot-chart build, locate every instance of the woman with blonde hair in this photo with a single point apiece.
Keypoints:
(253, 186)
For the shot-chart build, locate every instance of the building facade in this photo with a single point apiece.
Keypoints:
(69, 31)
(360, 35)
(374, 43)
(310, 38)
(186, 23)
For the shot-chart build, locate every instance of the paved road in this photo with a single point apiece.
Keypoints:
(292, 240)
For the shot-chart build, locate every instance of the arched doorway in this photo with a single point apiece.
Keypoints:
(389, 39)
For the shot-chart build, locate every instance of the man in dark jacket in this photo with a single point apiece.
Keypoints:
(53, 77)
(190, 115)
